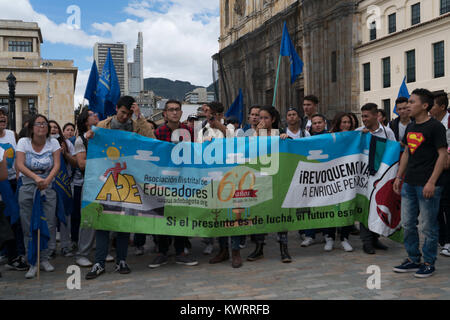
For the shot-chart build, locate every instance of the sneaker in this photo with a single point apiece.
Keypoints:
(3, 260)
(186, 260)
(109, 258)
(407, 266)
(17, 264)
(83, 262)
(186, 251)
(425, 271)
(329, 244)
(158, 261)
(208, 249)
(346, 245)
(96, 270)
(66, 252)
(445, 251)
(31, 272)
(302, 236)
(122, 267)
(307, 242)
(45, 265)
(139, 251)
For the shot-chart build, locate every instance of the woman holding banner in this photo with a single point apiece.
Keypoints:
(269, 120)
(38, 162)
(68, 157)
(342, 122)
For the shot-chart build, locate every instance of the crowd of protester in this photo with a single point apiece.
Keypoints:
(30, 160)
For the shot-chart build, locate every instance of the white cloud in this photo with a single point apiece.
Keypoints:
(146, 156)
(179, 39)
(175, 46)
(80, 88)
(52, 32)
(317, 155)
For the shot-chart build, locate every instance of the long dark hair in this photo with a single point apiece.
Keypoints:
(31, 125)
(336, 126)
(61, 138)
(355, 119)
(274, 114)
(81, 122)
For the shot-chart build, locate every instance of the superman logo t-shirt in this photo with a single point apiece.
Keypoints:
(423, 141)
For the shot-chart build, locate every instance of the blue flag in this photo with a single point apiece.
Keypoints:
(91, 88)
(237, 108)
(38, 222)
(61, 185)
(10, 200)
(403, 92)
(108, 89)
(288, 49)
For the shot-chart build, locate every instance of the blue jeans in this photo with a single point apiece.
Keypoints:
(413, 202)
(102, 246)
(235, 241)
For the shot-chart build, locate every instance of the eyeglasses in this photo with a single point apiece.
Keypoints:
(41, 124)
(93, 114)
(173, 110)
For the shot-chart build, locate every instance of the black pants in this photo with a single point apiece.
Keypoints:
(164, 242)
(139, 239)
(7, 238)
(367, 236)
(444, 216)
(75, 218)
(331, 232)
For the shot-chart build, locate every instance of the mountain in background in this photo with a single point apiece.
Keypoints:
(169, 89)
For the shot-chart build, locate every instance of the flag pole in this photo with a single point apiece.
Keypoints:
(276, 81)
(38, 252)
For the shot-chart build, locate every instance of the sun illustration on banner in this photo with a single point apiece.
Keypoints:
(112, 152)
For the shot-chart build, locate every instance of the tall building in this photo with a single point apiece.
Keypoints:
(119, 56)
(198, 96)
(398, 39)
(323, 34)
(136, 69)
(43, 86)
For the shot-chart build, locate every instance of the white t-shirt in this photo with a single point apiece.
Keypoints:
(297, 135)
(444, 120)
(2, 152)
(41, 163)
(8, 143)
(381, 132)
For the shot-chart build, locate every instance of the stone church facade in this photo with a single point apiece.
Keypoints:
(324, 33)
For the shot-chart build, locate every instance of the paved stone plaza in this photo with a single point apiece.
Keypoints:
(313, 274)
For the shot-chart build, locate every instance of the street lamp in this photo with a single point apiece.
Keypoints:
(12, 101)
(48, 64)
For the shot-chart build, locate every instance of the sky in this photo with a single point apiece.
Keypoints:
(180, 36)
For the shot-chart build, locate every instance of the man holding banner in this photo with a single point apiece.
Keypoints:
(126, 107)
(371, 124)
(173, 131)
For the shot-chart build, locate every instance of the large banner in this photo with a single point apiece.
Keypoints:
(240, 186)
